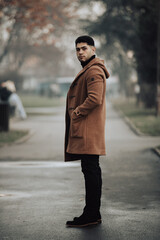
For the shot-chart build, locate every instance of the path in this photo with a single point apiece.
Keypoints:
(41, 192)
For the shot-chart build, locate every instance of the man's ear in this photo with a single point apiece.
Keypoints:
(93, 49)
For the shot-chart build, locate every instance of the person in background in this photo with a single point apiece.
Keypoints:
(8, 94)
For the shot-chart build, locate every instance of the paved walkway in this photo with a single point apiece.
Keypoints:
(39, 192)
(46, 139)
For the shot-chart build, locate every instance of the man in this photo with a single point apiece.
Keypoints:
(85, 127)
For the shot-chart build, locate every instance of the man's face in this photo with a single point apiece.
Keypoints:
(84, 51)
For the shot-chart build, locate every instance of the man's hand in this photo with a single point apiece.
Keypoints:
(76, 114)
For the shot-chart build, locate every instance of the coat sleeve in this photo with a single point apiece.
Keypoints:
(95, 88)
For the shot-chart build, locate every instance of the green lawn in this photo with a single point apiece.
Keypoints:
(144, 119)
(11, 136)
(31, 100)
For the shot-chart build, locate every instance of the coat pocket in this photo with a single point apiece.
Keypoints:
(78, 127)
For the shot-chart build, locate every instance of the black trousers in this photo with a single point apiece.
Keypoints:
(93, 183)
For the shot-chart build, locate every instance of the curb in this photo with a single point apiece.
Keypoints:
(137, 131)
(131, 125)
(21, 140)
(156, 150)
(25, 138)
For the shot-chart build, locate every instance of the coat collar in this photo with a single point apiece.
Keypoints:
(83, 70)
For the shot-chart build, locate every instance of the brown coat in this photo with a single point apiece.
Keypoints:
(86, 112)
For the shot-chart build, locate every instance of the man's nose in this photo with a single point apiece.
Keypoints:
(80, 51)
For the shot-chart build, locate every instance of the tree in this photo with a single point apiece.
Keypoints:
(29, 30)
(133, 24)
(158, 66)
(33, 22)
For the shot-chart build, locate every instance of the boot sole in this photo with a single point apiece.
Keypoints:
(83, 225)
(98, 220)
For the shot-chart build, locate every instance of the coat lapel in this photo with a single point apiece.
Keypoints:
(83, 70)
(78, 75)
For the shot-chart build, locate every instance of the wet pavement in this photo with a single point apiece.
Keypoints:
(39, 192)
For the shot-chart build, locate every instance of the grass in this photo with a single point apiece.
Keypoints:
(11, 136)
(144, 119)
(33, 114)
(31, 100)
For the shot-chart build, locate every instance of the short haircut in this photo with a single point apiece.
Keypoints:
(85, 39)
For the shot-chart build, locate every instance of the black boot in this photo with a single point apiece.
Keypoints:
(97, 217)
(82, 221)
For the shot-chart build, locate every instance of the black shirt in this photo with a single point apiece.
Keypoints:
(86, 62)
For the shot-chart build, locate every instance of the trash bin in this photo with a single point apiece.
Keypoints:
(4, 116)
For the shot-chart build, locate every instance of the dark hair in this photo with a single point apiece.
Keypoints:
(86, 39)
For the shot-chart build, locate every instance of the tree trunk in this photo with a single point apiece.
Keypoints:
(158, 65)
